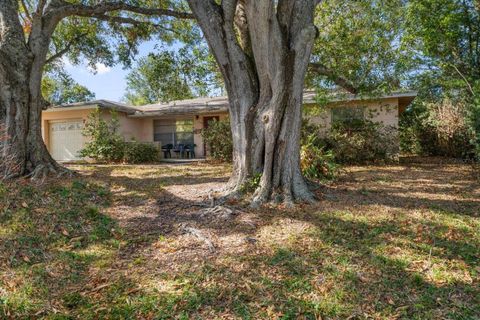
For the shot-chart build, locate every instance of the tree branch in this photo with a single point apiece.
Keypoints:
(25, 8)
(67, 48)
(330, 74)
(68, 9)
(132, 21)
(121, 20)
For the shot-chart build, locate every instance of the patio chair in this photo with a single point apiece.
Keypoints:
(166, 150)
(190, 150)
(179, 150)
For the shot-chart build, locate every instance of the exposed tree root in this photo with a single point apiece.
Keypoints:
(41, 172)
(219, 212)
(200, 236)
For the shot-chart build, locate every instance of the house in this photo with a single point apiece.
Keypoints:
(182, 121)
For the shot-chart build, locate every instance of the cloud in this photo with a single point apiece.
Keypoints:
(67, 63)
(102, 69)
(83, 68)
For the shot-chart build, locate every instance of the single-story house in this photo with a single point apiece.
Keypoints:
(181, 122)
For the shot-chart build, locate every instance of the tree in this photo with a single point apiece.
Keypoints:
(34, 33)
(173, 75)
(445, 38)
(264, 70)
(59, 88)
(359, 46)
(445, 34)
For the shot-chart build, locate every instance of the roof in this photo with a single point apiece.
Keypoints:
(190, 106)
(310, 96)
(217, 104)
(102, 104)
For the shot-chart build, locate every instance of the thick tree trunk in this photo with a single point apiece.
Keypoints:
(21, 102)
(24, 146)
(263, 50)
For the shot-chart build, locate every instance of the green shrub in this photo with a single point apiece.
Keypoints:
(316, 162)
(105, 143)
(136, 152)
(444, 128)
(362, 142)
(474, 124)
(218, 138)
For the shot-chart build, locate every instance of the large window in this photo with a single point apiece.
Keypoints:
(173, 131)
(348, 115)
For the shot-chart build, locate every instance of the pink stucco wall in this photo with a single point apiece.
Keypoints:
(61, 115)
(141, 129)
(384, 111)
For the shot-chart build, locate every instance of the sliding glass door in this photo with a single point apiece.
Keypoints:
(173, 131)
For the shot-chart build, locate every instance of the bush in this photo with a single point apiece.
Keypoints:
(218, 137)
(362, 142)
(474, 124)
(105, 143)
(444, 128)
(136, 152)
(316, 162)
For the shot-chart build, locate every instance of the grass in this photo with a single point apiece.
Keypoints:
(384, 242)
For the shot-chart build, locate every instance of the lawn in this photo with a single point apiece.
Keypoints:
(383, 242)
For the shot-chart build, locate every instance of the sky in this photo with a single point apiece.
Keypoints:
(109, 82)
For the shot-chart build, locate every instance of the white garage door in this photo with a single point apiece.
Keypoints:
(66, 140)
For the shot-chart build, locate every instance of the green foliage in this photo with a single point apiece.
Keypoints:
(105, 143)
(362, 142)
(445, 34)
(474, 121)
(358, 41)
(136, 152)
(218, 138)
(444, 37)
(316, 162)
(444, 128)
(59, 88)
(168, 75)
(251, 184)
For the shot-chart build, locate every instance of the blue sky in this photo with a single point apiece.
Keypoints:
(108, 83)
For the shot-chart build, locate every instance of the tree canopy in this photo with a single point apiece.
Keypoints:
(170, 75)
(60, 88)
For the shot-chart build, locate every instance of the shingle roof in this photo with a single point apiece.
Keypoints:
(106, 104)
(216, 104)
(198, 105)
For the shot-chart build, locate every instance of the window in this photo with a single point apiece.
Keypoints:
(347, 115)
(171, 131)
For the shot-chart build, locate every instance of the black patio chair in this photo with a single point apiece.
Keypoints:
(179, 150)
(190, 150)
(166, 150)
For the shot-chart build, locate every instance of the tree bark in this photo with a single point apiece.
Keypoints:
(263, 51)
(21, 68)
(21, 102)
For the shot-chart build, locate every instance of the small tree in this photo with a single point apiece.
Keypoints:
(105, 143)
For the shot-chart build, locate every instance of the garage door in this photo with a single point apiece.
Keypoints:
(66, 140)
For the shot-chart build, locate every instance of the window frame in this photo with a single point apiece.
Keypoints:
(349, 120)
(173, 125)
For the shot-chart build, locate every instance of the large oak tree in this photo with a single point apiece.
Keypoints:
(263, 50)
(26, 32)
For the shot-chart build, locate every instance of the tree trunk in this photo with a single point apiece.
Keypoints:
(21, 102)
(263, 51)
